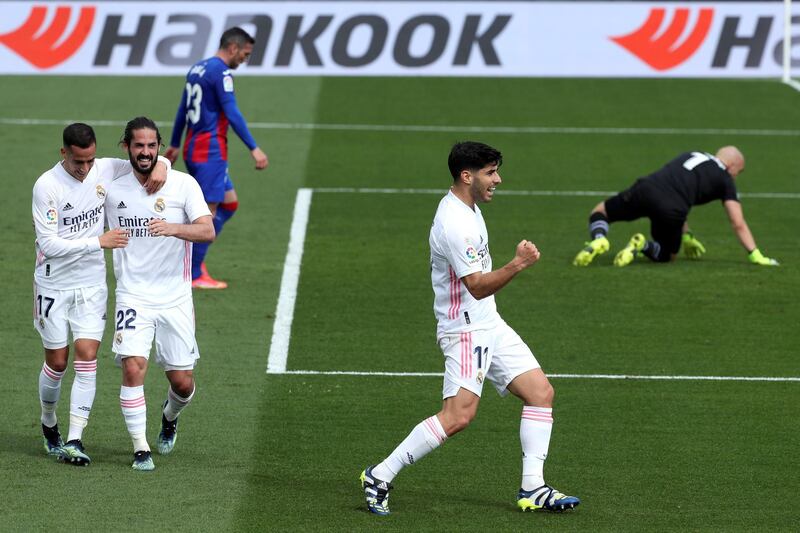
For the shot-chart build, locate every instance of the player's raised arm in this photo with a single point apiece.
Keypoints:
(481, 285)
(736, 217)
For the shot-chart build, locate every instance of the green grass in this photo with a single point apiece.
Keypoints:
(283, 452)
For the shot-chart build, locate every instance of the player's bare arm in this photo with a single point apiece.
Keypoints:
(114, 238)
(172, 153)
(201, 230)
(157, 178)
(738, 224)
(481, 285)
(260, 158)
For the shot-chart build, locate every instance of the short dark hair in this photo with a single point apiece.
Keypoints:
(139, 123)
(235, 35)
(473, 156)
(79, 134)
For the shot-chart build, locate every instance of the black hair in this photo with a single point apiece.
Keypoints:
(139, 123)
(472, 156)
(235, 35)
(80, 135)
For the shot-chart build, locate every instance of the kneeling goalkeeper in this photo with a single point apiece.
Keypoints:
(666, 197)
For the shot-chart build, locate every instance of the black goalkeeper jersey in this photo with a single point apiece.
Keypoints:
(692, 178)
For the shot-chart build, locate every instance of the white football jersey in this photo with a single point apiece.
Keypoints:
(68, 219)
(153, 271)
(459, 247)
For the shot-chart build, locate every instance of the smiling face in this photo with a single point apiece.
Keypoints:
(78, 161)
(483, 183)
(143, 150)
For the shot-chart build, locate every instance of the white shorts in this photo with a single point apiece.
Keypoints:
(496, 354)
(135, 327)
(56, 312)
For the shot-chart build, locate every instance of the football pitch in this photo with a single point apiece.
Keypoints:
(677, 386)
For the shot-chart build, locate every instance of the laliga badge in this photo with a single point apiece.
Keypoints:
(118, 337)
(160, 205)
(479, 377)
(41, 323)
(101, 192)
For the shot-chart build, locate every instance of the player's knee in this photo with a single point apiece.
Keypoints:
(57, 366)
(550, 394)
(184, 389)
(540, 396)
(182, 384)
(461, 422)
(56, 359)
(455, 422)
(545, 395)
(133, 371)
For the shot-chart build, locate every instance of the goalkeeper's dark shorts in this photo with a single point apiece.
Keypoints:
(667, 216)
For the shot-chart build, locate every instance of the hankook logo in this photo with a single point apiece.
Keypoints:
(662, 48)
(46, 47)
(351, 40)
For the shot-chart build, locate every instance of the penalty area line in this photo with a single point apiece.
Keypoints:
(284, 313)
(556, 375)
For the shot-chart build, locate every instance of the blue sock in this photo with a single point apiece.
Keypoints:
(199, 250)
(224, 213)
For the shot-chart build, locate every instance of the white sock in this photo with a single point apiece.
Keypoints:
(423, 439)
(535, 428)
(134, 410)
(82, 397)
(49, 392)
(175, 404)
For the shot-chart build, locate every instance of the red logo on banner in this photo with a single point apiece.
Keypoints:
(38, 46)
(664, 52)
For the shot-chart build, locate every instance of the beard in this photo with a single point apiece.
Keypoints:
(135, 164)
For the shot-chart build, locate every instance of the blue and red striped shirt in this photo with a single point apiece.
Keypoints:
(208, 106)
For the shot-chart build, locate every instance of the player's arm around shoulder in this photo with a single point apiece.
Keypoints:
(157, 178)
(111, 168)
(480, 285)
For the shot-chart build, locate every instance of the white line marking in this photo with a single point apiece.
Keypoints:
(562, 376)
(284, 313)
(794, 84)
(367, 190)
(431, 128)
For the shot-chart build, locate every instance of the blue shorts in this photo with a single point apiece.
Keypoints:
(213, 179)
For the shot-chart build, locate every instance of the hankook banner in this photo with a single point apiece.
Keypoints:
(402, 38)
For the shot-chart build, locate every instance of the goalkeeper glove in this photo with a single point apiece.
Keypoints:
(758, 258)
(691, 246)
